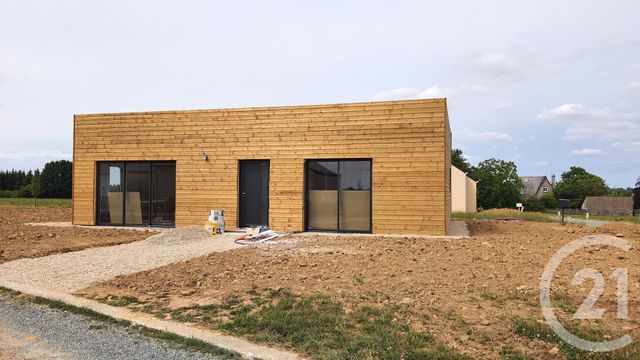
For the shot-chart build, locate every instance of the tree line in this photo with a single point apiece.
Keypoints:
(54, 181)
(499, 185)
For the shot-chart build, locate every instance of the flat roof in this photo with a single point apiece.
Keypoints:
(282, 107)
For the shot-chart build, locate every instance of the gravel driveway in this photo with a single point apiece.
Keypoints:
(73, 271)
(30, 331)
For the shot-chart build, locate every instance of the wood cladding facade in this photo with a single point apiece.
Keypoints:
(409, 143)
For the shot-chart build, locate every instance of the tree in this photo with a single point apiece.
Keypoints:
(577, 183)
(36, 186)
(549, 201)
(533, 203)
(56, 180)
(619, 191)
(498, 184)
(458, 160)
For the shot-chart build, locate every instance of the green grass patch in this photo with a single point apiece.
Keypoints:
(176, 341)
(114, 300)
(509, 353)
(317, 326)
(493, 297)
(30, 202)
(532, 329)
(624, 219)
(531, 216)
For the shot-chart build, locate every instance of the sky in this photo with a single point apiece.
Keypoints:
(546, 84)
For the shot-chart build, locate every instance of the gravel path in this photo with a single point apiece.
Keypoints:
(73, 271)
(30, 331)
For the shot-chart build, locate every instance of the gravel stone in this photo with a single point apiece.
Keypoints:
(70, 272)
(31, 331)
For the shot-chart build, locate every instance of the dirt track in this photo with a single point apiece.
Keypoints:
(18, 240)
(465, 292)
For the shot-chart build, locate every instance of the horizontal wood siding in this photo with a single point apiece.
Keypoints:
(407, 140)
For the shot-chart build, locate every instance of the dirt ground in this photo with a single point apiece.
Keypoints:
(18, 240)
(468, 293)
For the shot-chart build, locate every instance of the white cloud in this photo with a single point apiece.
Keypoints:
(31, 155)
(432, 92)
(468, 135)
(575, 112)
(540, 163)
(497, 64)
(516, 64)
(395, 94)
(630, 146)
(634, 85)
(599, 124)
(607, 131)
(586, 152)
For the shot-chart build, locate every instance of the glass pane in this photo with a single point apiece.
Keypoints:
(138, 193)
(322, 182)
(355, 195)
(110, 193)
(163, 206)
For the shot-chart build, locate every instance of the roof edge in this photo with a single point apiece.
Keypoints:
(442, 101)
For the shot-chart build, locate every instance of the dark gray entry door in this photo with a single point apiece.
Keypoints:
(254, 192)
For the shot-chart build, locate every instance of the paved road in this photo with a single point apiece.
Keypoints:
(31, 331)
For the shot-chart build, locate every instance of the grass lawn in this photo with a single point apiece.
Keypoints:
(531, 216)
(627, 219)
(39, 202)
(316, 325)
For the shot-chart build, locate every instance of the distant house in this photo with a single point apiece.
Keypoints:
(608, 205)
(537, 186)
(463, 192)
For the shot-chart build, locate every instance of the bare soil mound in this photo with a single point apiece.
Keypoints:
(18, 240)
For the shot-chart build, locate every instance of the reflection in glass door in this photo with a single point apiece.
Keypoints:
(355, 195)
(322, 203)
(163, 184)
(338, 195)
(136, 193)
(110, 179)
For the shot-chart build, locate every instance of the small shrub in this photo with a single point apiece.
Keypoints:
(532, 203)
(549, 201)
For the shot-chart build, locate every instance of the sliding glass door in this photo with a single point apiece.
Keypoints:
(110, 186)
(163, 203)
(338, 195)
(136, 193)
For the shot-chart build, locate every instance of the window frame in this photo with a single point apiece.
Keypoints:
(306, 196)
(124, 163)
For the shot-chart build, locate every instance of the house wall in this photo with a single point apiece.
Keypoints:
(458, 190)
(447, 170)
(608, 205)
(409, 142)
(547, 184)
(471, 194)
(463, 192)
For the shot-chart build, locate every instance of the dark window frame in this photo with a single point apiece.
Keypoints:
(123, 178)
(306, 196)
